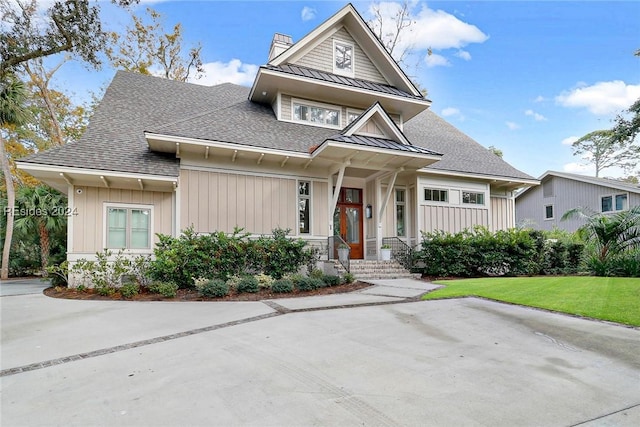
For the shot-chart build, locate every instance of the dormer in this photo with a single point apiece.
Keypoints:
(339, 64)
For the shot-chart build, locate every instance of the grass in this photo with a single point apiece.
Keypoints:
(615, 299)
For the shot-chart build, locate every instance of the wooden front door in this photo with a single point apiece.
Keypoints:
(347, 220)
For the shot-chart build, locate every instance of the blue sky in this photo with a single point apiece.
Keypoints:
(526, 77)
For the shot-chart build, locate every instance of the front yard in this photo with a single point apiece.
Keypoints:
(615, 299)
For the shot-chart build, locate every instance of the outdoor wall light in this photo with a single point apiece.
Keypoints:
(368, 212)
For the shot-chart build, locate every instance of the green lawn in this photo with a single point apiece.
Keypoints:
(616, 299)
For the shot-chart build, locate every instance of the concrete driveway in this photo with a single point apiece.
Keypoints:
(311, 362)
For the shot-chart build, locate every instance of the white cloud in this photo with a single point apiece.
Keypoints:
(601, 98)
(450, 111)
(307, 13)
(536, 116)
(464, 55)
(233, 71)
(539, 98)
(435, 60)
(570, 140)
(431, 29)
(512, 125)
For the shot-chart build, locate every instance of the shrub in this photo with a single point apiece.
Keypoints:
(264, 281)
(331, 280)
(316, 273)
(129, 290)
(278, 255)
(348, 278)
(215, 288)
(105, 289)
(248, 284)
(282, 286)
(309, 284)
(233, 282)
(166, 289)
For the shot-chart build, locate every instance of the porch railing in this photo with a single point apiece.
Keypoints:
(340, 250)
(400, 251)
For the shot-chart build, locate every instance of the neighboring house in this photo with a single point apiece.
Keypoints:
(332, 138)
(543, 206)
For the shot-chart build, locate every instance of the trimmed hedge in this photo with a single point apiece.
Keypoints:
(478, 253)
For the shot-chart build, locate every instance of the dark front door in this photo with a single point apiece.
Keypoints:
(347, 220)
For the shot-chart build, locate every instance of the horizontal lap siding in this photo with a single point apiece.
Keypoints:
(451, 219)
(88, 224)
(321, 58)
(217, 201)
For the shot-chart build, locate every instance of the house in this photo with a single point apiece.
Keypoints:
(543, 206)
(331, 139)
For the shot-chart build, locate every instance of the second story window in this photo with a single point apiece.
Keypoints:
(343, 58)
(316, 114)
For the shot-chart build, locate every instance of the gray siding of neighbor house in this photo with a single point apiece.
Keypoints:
(564, 194)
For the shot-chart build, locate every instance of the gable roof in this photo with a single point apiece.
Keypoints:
(601, 182)
(134, 104)
(349, 17)
(388, 125)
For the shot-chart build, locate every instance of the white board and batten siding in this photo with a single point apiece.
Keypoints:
(452, 216)
(321, 58)
(503, 213)
(89, 223)
(219, 201)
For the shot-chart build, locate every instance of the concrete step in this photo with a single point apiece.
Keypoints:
(371, 269)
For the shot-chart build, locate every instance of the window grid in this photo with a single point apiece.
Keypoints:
(400, 213)
(470, 198)
(614, 203)
(304, 207)
(548, 212)
(128, 228)
(435, 195)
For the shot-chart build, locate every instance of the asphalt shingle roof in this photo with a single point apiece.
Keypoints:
(136, 103)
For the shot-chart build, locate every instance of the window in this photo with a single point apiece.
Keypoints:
(433, 195)
(400, 213)
(548, 212)
(614, 203)
(343, 58)
(128, 228)
(304, 205)
(316, 114)
(352, 115)
(472, 198)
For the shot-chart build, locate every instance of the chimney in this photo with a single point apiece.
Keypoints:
(280, 43)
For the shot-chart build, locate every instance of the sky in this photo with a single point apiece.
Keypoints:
(526, 77)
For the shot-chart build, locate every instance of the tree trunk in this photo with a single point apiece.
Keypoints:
(44, 247)
(40, 78)
(11, 201)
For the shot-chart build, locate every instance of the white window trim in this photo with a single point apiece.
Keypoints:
(484, 198)
(553, 212)
(434, 202)
(310, 233)
(613, 202)
(338, 71)
(395, 216)
(316, 104)
(105, 223)
(351, 111)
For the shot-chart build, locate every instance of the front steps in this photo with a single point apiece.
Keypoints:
(368, 269)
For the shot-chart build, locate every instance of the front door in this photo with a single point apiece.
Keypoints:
(347, 220)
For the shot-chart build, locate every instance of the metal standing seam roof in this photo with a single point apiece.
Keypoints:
(370, 141)
(334, 78)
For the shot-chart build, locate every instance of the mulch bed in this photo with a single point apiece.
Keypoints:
(193, 295)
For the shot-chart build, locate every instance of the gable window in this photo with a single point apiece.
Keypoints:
(470, 198)
(128, 227)
(316, 114)
(614, 203)
(435, 195)
(548, 212)
(343, 58)
(352, 115)
(304, 207)
(400, 213)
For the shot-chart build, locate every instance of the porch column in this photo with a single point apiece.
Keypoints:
(383, 206)
(336, 193)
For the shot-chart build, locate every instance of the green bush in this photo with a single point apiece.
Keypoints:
(166, 289)
(264, 281)
(282, 286)
(309, 284)
(215, 288)
(331, 280)
(278, 255)
(129, 290)
(105, 289)
(248, 284)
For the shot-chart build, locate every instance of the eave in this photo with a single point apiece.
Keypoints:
(269, 82)
(499, 182)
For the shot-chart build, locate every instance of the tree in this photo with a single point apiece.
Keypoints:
(42, 211)
(611, 235)
(12, 112)
(495, 150)
(390, 32)
(70, 26)
(146, 49)
(603, 150)
(627, 129)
